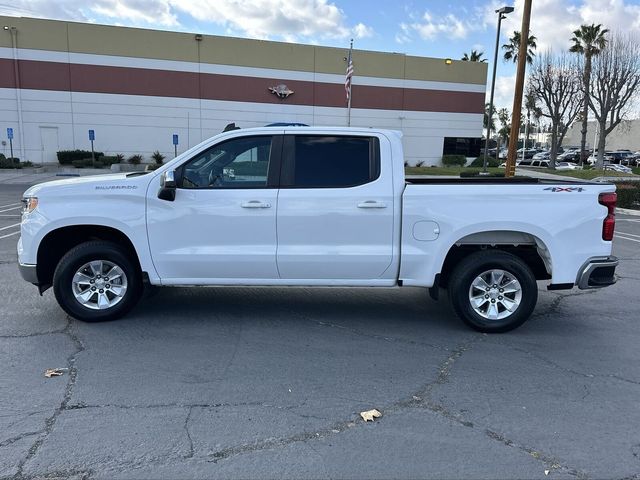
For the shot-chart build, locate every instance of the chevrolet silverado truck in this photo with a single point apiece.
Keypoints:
(307, 206)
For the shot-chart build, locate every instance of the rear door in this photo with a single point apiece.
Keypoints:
(335, 209)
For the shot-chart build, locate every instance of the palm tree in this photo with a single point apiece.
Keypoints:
(513, 47)
(530, 105)
(486, 122)
(474, 56)
(588, 40)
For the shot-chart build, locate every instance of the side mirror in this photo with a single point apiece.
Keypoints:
(167, 186)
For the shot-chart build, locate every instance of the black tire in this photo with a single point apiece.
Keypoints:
(80, 255)
(471, 268)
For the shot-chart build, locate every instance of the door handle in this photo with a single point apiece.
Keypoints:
(255, 204)
(372, 204)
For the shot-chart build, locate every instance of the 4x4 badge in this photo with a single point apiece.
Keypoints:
(565, 189)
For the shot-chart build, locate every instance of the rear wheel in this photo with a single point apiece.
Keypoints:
(97, 281)
(493, 291)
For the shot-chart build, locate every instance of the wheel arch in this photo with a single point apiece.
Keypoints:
(59, 241)
(530, 248)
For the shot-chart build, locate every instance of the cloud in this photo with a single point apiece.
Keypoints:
(137, 11)
(302, 19)
(362, 31)
(287, 20)
(429, 28)
(503, 96)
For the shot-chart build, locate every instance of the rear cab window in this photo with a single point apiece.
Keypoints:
(329, 161)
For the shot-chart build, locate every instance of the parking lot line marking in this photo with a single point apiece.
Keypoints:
(10, 215)
(10, 226)
(12, 208)
(9, 234)
(9, 205)
(629, 234)
(617, 236)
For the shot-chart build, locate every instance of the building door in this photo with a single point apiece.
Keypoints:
(49, 143)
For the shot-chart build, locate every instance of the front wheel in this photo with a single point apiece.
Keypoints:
(97, 281)
(493, 291)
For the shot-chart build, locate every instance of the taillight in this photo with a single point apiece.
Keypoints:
(609, 224)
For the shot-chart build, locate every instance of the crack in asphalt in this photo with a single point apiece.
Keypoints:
(62, 330)
(81, 406)
(374, 335)
(190, 453)
(68, 392)
(17, 438)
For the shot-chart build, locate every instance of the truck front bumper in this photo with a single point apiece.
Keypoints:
(29, 273)
(597, 273)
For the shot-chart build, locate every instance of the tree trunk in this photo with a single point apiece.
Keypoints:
(554, 146)
(585, 107)
(602, 140)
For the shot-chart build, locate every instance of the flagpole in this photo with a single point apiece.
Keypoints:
(349, 64)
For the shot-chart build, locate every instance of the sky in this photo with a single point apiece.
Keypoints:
(444, 29)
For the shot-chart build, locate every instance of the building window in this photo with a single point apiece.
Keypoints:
(469, 147)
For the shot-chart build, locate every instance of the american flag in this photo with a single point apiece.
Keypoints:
(347, 79)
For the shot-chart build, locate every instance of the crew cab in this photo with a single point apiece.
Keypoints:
(309, 206)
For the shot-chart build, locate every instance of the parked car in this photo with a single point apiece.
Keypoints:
(545, 155)
(540, 163)
(591, 160)
(567, 166)
(314, 206)
(569, 156)
(618, 168)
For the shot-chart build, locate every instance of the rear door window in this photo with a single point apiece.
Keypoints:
(321, 161)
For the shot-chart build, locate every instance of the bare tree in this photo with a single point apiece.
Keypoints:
(614, 85)
(555, 81)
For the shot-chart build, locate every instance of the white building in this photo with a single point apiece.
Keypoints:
(136, 88)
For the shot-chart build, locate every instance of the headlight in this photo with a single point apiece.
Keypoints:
(29, 204)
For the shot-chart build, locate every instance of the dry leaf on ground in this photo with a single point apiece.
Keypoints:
(54, 372)
(369, 415)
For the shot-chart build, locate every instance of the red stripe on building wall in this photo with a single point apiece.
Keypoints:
(37, 75)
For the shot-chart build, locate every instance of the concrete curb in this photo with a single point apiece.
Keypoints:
(628, 211)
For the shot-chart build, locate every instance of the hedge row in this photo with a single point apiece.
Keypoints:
(628, 195)
(66, 157)
(454, 160)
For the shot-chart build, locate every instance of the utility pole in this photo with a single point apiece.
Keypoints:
(517, 97)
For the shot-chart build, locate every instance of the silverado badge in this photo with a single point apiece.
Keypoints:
(281, 90)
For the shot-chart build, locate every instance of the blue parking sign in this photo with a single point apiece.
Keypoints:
(10, 133)
(175, 139)
(92, 135)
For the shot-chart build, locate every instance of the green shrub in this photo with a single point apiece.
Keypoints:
(158, 157)
(27, 164)
(454, 160)
(152, 166)
(628, 195)
(79, 163)
(479, 162)
(9, 162)
(109, 160)
(135, 159)
(66, 157)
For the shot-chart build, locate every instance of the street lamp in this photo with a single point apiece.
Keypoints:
(502, 12)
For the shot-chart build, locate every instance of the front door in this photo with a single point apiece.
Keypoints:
(335, 210)
(221, 227)
(49, 144)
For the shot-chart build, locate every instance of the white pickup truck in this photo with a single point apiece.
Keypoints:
(314, 206)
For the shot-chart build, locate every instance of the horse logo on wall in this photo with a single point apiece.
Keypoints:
(281, 91)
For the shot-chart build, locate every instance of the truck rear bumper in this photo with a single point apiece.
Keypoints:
(597, 273)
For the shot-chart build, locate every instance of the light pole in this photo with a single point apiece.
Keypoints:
(502, 12)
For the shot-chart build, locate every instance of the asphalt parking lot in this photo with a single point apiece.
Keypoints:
(268, 383)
